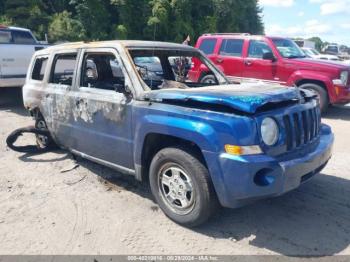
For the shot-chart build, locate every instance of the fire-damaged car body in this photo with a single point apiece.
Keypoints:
(199, 145)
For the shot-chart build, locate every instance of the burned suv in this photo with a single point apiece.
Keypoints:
(198, 145)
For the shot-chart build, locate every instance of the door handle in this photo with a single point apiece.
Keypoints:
(248, 62)
(219, 60)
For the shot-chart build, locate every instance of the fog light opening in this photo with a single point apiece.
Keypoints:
(264, 177)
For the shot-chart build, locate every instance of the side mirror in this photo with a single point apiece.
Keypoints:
(269, 56)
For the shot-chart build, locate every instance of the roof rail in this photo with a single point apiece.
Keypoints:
(245, 34)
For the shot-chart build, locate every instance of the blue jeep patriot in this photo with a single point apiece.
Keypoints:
(130, 105)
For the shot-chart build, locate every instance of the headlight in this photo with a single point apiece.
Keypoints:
(344, 77)
(269, 131)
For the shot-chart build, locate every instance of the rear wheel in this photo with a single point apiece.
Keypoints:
(42, 141)
(181, 186)
(321, 93)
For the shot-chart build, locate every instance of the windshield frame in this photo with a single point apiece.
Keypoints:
(299, 54)
(222, 79)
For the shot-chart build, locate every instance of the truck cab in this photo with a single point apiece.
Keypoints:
(198, 145)
(17, 45)
(244, 57)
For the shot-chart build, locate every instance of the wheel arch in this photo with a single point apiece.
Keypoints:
(154, 142)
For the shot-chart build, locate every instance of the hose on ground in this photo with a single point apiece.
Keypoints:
(12, 138)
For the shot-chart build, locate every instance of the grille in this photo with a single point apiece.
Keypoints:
(301, 127)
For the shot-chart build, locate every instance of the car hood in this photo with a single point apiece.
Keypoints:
(245, 98)
(317, 64)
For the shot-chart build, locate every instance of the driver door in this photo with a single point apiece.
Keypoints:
(102, 109)
(255, 66)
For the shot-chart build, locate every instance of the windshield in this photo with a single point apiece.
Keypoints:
(162, 69)
(288, 48)
(315, 51)
(308, 52)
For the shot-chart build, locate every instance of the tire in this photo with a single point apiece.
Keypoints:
(209, 79)
(321, 93)
(42, 141)
(196, 206)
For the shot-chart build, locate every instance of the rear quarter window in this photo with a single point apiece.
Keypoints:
(208, 46)
(22, 37)
(39, 68)
(5, 37)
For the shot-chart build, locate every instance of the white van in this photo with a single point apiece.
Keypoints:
(17, 46)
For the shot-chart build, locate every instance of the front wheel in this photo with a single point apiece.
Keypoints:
(209, 80)
(181, 186)
(321, 93)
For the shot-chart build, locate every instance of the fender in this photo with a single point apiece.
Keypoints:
(307, 75)
(202, 134)
(197, 132)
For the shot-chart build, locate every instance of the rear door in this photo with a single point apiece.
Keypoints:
(255, 66)
(230, 58)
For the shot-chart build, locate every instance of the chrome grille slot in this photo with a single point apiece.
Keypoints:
(301, 128)
(306, 127)
(297, 130)
(288, 130)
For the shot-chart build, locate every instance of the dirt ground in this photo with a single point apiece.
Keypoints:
(48, 205)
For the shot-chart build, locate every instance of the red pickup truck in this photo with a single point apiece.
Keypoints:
(243, 57)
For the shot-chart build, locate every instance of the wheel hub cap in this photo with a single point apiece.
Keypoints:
(177, 189)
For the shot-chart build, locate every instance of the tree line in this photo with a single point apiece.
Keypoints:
(163, 20)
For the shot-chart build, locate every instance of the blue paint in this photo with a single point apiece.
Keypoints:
(247, 99)
(233, 176)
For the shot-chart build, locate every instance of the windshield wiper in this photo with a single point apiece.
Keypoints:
(296, 56)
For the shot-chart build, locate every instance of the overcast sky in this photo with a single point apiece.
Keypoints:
(328, 19)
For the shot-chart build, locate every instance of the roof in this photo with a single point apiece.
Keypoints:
(240, 36)
(14, 28)
(127, 43)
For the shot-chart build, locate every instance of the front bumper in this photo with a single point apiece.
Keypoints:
(342, 95)
(237, 179)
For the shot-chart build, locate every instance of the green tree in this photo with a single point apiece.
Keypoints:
(28, 13)
(64, 28)
(166, 20)
(132, 18)
(94, 16)
(318, 42)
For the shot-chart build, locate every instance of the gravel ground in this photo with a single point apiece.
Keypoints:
(49, 205)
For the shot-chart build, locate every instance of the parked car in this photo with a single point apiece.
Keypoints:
(150, 67)
(274, 59)
(17, 45)
(313, 53)
(332, 49)
(196, 144)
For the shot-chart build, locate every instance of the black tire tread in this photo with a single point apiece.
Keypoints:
(203, 181)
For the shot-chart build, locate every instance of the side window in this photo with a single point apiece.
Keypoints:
(5, 37)
(258, 48)
(63, 69)
(208, 46)
(232, 47)
(22, 37)
(39, 68)
(102, 71)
